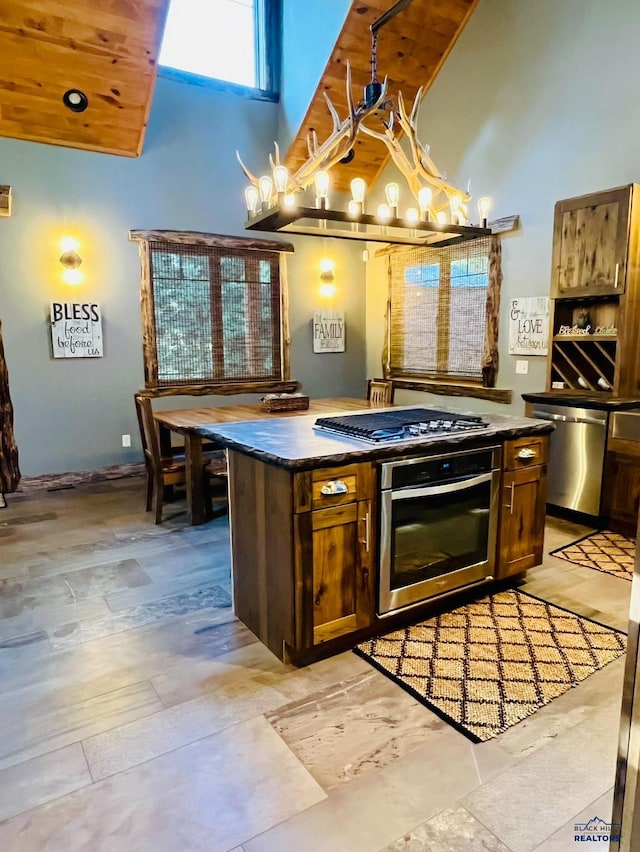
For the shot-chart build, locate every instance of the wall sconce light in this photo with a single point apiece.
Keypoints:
(327, 277)
(71, 260)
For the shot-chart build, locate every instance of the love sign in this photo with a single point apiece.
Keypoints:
(529, 326)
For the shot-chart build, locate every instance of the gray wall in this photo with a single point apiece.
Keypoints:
(70, 414)
(536, 102)
(310, 30)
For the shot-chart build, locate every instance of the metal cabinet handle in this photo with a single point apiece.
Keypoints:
(510, 505)
(615, 280)
(365, 541)
(334, 486)
(527, 453)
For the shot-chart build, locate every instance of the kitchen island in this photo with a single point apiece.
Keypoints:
(305, 516)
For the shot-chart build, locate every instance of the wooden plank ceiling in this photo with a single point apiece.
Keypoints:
(411, 49)
(105, 48)
(108, 49)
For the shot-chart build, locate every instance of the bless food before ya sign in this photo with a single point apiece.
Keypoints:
(76, 330)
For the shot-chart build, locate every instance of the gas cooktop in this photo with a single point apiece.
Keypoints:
(400, 424)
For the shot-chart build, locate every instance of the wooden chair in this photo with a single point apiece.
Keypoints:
(165, 471)
(380, 391)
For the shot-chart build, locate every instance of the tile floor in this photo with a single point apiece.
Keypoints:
(139, 714)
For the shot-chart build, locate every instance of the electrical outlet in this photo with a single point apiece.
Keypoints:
(126, 440)
(522, 367)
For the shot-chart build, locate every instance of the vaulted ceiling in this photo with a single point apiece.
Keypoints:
(108, 50)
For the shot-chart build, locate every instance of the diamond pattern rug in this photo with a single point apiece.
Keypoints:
(605, 551)
(489, 664)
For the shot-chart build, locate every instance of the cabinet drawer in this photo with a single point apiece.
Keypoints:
(525, 452)
(336, 486)
(332, 486)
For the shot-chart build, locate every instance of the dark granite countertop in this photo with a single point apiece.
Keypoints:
(580, 399)
(293, 443)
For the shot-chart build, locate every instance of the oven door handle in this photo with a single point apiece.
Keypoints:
(449, 488)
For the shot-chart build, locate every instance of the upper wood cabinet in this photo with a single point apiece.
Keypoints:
(591, 244)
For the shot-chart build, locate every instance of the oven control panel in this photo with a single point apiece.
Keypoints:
(410, 473)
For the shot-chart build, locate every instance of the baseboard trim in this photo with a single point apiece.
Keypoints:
(60, 481)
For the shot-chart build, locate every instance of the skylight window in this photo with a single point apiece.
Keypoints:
(212, 38)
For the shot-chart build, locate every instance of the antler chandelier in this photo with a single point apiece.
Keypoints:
(274, 202)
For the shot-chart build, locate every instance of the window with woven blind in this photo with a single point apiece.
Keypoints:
(212, 313)
(437, 317)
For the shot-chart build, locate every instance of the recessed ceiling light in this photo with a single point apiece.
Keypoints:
(75, 100)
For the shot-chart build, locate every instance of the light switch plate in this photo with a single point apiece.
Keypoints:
(522, 367)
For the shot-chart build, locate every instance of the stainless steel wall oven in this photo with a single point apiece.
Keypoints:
(438, 525)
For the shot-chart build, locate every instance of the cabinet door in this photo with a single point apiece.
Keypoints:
(342, 579)
(590, 240)
(522, 512)
(623, 491)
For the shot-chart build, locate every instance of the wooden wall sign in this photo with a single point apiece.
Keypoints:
(76, 330)
(529, 326)
(328, 331)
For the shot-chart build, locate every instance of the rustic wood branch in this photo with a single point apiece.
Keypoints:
(198, 238)
(505, 224)
(222, 389)
(501, 395)
(9, 468)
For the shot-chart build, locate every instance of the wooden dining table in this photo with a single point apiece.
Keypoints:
(185, 421)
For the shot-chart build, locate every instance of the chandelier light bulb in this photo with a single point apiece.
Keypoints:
(392, 191)
(290, 201)
(412, 216)
(266, 188)
(354, 208)
(383, 212)
(251, 197)
(280, 179)
(484, 205)
(322, 189)
(441, 218)
(358, 189)
(424, 202)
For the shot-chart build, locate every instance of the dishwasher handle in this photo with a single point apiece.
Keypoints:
(542, 415)
(594, 421)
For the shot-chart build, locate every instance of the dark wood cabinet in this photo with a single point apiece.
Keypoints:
(334, 548)
(621, 492)
(595, 287)
(522, 506)
(304, 547)
(590, 244)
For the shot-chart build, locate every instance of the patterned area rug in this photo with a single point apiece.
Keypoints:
(491, 663)
(605, 551)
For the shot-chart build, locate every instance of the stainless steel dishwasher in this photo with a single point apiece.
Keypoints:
(576, 456)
